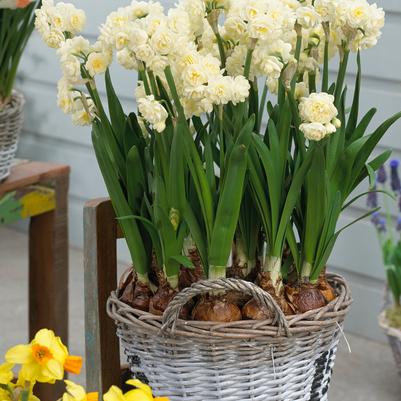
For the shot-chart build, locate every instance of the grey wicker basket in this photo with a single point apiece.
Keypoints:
(287, 358)
(11, 121)
(394, 339)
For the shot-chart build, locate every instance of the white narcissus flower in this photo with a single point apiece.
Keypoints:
(71, 67)
(263, 28)
(271, 67)
(319, 116)
(301, 90)
(54, 38)
(162, 41)
(126, 58)
(307, 17)
(97, 63)
(314, 131)
(236, 28)
(179, 22)
(83, 115)
(326, 9)
(66, 96)
(241, 89)
(220, 90)
(76, 20)
(153, 112)
(144, 53)
(318, 108)
(194, 75)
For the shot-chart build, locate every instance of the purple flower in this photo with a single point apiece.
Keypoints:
(372, 200)
(379, 222)
(395, 178)
(399, 224)
(381, 175)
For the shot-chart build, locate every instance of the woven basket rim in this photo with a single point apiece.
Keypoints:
(299, 325)
(384, 324)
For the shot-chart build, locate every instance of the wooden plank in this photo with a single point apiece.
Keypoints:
(100, 261)
(48, 271)
(31, 173)
(27, 202)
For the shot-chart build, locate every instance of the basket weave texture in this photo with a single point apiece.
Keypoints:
(287, 358)
(11, 121)
(394, 339)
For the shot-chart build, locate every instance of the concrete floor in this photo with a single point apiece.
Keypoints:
(367, 374)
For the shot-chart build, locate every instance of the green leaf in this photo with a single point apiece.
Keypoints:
(293, 195)
(121, 207)
(116, 111)
(353, 118)
(230, 199)
(360, 130)
(316, 204)
(183, 260)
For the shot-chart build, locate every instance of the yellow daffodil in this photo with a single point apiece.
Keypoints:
(5, 395)
(44, 359)
(6, 373)
(77, 393)
(142, 392)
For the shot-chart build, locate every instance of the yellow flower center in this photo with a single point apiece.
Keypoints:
(41, 354)
(359, 12)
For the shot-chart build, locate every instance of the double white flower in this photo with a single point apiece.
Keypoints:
(319, 116)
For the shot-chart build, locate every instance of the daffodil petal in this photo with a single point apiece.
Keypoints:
(55, 369)
(114, 394)
(142, 386)
(138, 395)
(6, 374)
(76, 391)
(20, 354)
(45, 337)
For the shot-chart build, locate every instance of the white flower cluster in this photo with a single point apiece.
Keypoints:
(319, 116)
(55, 22)
(192, 37)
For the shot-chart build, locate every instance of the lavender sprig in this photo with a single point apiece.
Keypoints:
(372, 200)
(381, 175)
(379, 222)
(395, 178)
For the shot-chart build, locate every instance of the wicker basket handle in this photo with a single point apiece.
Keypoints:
(171, 314)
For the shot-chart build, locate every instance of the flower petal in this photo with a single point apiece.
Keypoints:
(73, 364)
(20, 354)
(142, 386)
(45, 337)
(6, 374)
(55, 369)
(114, 394)
(138, 395)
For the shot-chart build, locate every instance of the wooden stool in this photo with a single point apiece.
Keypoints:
(102, 352)
(39, 191)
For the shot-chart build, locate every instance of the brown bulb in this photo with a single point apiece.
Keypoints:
(252, 310)
(216, 309)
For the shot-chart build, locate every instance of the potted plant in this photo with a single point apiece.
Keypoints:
(228, 184)
(388, 232)
(17, 24)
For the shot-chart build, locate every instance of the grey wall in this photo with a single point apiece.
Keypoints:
(49, 135)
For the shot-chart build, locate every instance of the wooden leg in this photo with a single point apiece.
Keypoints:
(100, 260)
(48, 276)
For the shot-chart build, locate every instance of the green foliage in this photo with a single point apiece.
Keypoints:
(16, 27)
